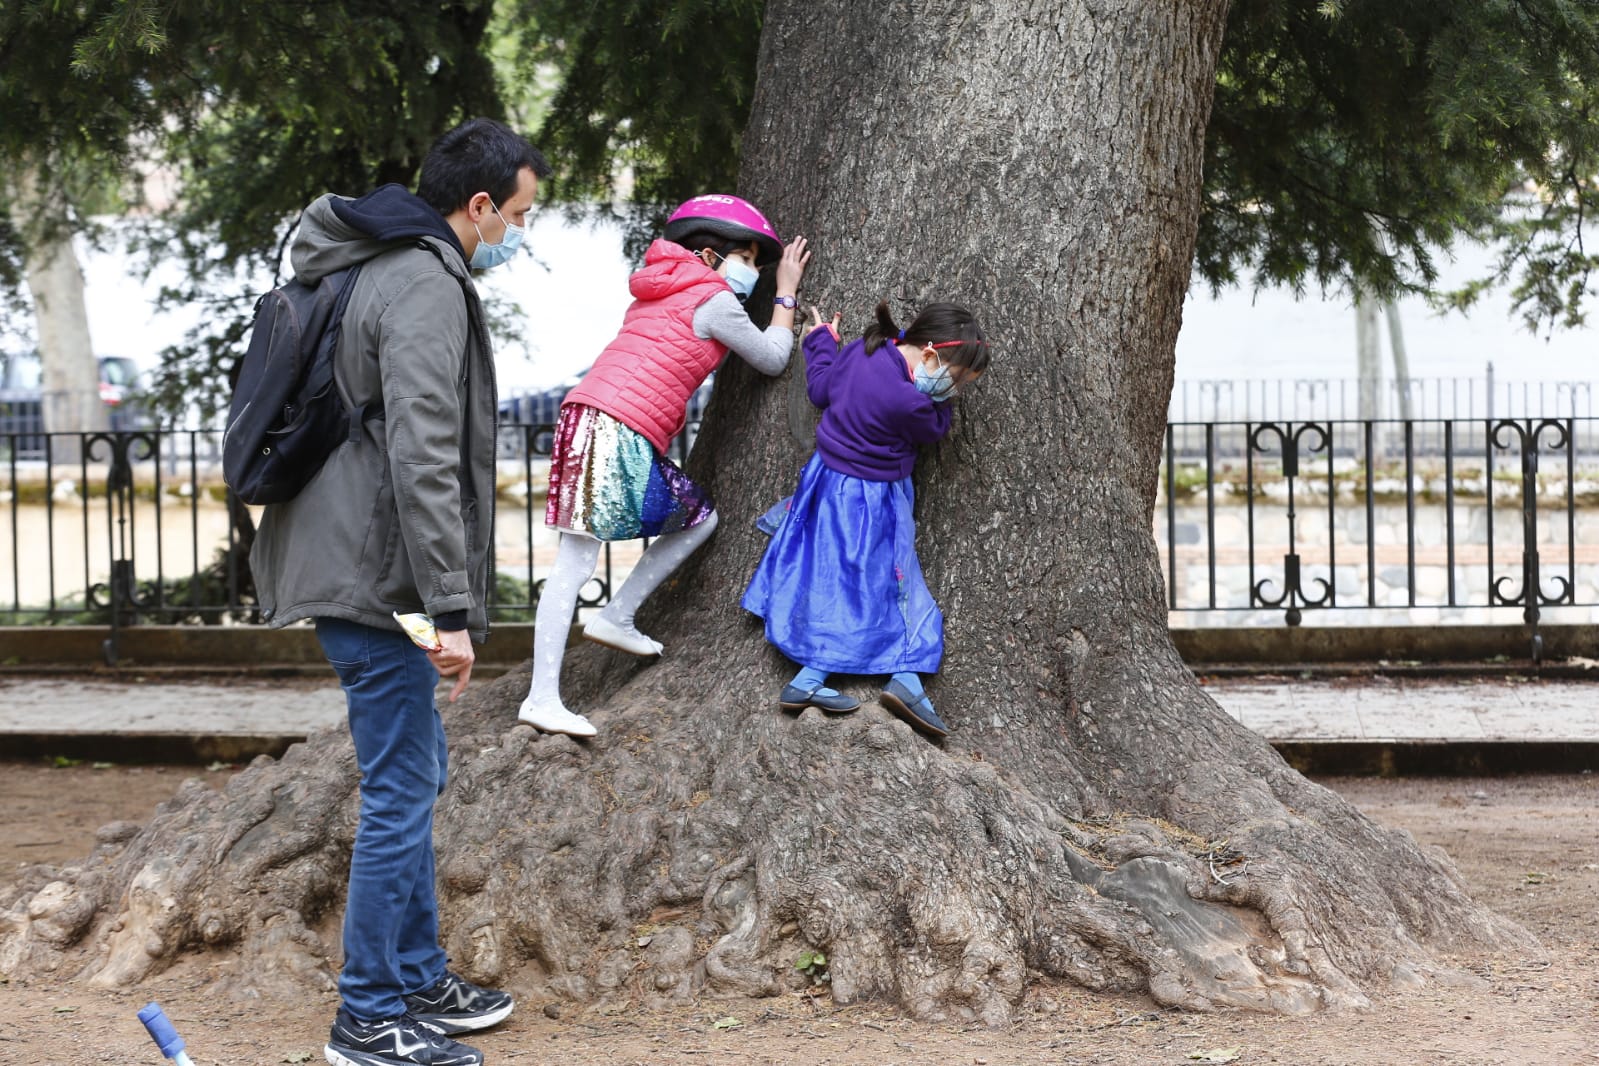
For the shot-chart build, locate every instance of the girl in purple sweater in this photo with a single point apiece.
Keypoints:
(839, 586)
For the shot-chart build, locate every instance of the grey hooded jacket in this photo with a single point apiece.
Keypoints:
(399, 519)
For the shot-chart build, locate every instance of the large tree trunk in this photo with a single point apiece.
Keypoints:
(1094, 817)
(71, 375)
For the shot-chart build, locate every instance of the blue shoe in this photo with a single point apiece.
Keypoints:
(794, 698)
(917, 710)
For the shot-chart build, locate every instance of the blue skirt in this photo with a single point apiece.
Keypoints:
(839, 586)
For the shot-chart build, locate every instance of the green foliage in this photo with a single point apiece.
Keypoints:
(652, 99)
(1349, 137)
(513, 600)
(261, 106)
(813, 964)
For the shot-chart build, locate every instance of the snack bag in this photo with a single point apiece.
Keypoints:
(420, 628)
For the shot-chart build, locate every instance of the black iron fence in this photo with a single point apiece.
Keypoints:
(1263, 521)
(121, 528)
(1425, 399)
(1259, 523)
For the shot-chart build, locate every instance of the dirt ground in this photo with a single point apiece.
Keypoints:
(1528, 846)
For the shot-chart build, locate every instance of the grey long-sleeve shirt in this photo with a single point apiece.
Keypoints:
(722, 318)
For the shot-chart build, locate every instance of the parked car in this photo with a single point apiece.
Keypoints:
(22, 406)
(538, 410)
(119, 377)
(540, 407)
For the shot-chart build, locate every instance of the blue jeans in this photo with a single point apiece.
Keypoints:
(391, 918)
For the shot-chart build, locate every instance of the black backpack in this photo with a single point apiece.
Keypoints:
(286, 415)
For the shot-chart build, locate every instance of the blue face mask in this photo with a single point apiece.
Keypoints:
(937, 384)
(487, 255)
(740, 278)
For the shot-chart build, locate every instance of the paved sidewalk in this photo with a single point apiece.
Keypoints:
(1397, 710)
(1307, 718)
(161, 721)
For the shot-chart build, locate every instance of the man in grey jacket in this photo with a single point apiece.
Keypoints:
(399, 520)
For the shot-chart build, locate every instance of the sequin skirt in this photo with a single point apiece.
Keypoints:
(608, 482)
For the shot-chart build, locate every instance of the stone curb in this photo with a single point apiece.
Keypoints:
(1438, 758)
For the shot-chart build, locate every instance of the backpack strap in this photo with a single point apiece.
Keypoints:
(360, 416)
(357, 416)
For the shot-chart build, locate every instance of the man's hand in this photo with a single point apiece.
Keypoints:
(455, 659)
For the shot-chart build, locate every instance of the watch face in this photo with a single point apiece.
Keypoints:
(785, 301)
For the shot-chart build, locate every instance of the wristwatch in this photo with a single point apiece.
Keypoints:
(785, 301)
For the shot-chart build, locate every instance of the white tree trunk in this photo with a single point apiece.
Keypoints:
(1368, 356)
(1396, 342)
(71, 374)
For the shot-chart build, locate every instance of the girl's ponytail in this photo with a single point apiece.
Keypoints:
(883, 330)
(947, 326)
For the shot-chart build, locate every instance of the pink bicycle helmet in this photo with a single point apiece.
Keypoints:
(726, 216)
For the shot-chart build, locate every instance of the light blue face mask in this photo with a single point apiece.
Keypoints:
(937, 384)
(487, 255)
(740, 278)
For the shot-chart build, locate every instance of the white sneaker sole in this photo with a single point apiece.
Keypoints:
(336, 1059)
(468, 1024)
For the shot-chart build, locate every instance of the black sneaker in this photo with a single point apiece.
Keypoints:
(456, 1005)
(401, 1041)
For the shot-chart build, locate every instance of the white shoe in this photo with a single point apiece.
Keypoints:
(553, 718)
(601, 630)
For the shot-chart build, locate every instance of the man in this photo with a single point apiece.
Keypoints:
(399, 521)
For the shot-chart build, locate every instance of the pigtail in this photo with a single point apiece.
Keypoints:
(943, 325)
(883, 330)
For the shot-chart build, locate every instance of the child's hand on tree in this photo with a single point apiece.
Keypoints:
(832, 327)
(791, 267)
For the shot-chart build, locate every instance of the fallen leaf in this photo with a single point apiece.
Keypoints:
(296, 1056)
(1215, 1054)
(726, 1023)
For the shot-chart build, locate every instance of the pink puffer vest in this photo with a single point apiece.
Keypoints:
(646, 375)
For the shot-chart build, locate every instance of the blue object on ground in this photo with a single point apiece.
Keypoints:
(166, 1038)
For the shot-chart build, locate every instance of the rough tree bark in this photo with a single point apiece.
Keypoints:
(1094, 817)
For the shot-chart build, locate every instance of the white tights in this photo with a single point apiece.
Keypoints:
(575, 560)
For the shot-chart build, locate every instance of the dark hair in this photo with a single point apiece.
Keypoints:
(936, 324)
(701, 239)
(479, 155)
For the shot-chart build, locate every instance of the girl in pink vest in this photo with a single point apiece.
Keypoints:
(610, 478)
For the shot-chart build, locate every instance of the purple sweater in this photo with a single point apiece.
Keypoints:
(873, 417)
